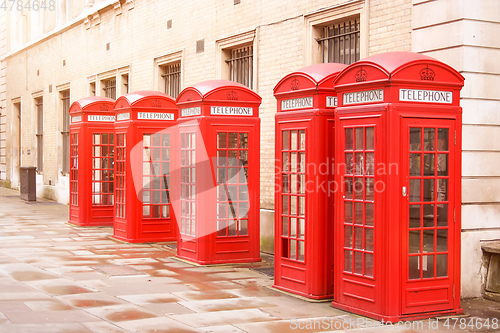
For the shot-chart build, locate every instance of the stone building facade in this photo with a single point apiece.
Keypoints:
(71, 49)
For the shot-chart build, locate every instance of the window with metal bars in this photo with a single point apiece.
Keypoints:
(110, 88)
(340, 42)
(241, 65)
(39, 134)
(172, 79)
(65, 131)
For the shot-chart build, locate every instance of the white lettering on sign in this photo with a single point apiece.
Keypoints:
(123, 116)
(297, 103)
(100, 118)
(195, 111)
(155, 115)
(331, 102)
(231, 110)
(76, 119)
(427, 96)
(367, 96)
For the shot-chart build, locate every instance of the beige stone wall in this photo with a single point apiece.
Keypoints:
(460, 33)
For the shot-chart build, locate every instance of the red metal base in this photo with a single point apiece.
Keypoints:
(314, 297)
(394, 319)
(102, 224)
(216, 262)
(144, 240)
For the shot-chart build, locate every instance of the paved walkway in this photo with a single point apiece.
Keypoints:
(59, 278)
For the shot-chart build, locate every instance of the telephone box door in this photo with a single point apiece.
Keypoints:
(428, 210)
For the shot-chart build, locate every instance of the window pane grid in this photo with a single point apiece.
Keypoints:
(121, 159)
(429, 205)
(172, 78)
(156, 176)
(241, 65)
(102, 169)
(232, 184)
(340, 42)
(110, 88)
(74, 169)
(188, 184)
(293, 198)
(359, 201)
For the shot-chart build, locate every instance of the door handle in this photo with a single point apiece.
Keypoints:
(404, 191)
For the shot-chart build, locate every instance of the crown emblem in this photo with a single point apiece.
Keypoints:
(232, 95)
(361, 75)
(156, 104)
(104, 107)
(189, 97)
(427, 74)
(295, 85)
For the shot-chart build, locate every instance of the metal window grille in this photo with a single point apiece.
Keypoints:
(3, 148)
(241, 65)
(110, 88)
(340, 42)
(65, 131)
(39, 134)
(172, 78)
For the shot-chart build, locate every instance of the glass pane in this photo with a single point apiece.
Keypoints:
(232, 140)
(293, 162)
(146, 140)
(358, 213)
(428, 189)
(348, 236)
(285, 183)
(293, 205)
(414, 241)
(293, 140)
(285, 204)
(415, 139)
(369, 264)
(370, 138)
(443, 139)
(414, 268)
(221, 228)
(442, 164)
(293, 183)
(428, 216)
(428, 266)
(442, 190)
(441, 265)
(358, 188)
(146, 211)
(293, 227)
(369, 190)
(286, 162)
(358, 238)
(156, 139)
(442, 240)
(286, 138)
(302, 140)
(348, 139)
(302, 184)
(348, 212)
(96, 139)
(414, 190)
(428, 241)
(243, 140)
(370, 164)
(429, 138)
(348, 187)
(302, 162)
(293, 249)
(302, 228)
(347, 261)
(368, 239)
(414, 215)
(243, 228)
(429, 164)
(301, 249)
(232, 228)
(348, 163)
(222, 157)
(358, 262)
(302, 206)
(415, 165)
(369, 215)
(442, 215)
(359, 162)
(284, 223)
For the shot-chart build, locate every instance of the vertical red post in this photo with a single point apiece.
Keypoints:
(219, 173)
(91, 132)
(305, 125)
(397, 222)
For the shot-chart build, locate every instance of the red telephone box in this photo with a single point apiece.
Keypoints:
(397, 227)
(304, 181)
(91, 132)
(144, 139)
(218, 208)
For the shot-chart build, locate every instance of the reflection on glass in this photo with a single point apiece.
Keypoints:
(442, 164)
(293, 227)
(302, 228)
(414, 241)
(428, 189)
(243, 228)
(359, 164)
(358, 262)
(358, 238)
(369, 215)
(348, 139)
(293, 162)
(428, 266)
(429, 216)
(221, 228)
(302, 206)
(414, 190)
(293, 140)
(293, 205)
(441, 265)
(347, 236)
(284, 231)
(369, 264)
(302, 139)
(370, 138)
(348, 188)
(369, 190)
(369, 239)
(358, 213)
(285, 204)
(428, 241)
(442, 240)
(370, 164)
(348, 163)
(414, 216)
(442, 190)
(301, 250)
(414, 268)
(429, 138)
(286, 139)
(358, 137)
(442, 215)
(293, 249)
(429, 164)
(347, 261)
(293, 183)
(232, 140)
(358, 187)
(348, 211)
(415, 139)
(243, 140)
(286, 162)
(443, 139)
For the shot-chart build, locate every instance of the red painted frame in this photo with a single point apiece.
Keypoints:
(88, 117)
(389, 295)
(197, 105)
(306, 102)
(137, 114)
